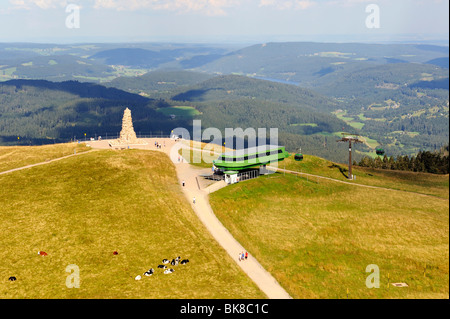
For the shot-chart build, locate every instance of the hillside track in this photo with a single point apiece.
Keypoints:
(352, 183)
(44, 163)
(188, 173)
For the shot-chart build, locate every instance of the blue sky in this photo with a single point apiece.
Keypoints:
(223, 20)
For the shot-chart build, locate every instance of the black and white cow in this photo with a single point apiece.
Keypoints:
(184, 261)
(149, 272)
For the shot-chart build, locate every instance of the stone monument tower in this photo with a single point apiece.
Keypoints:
(128, 135)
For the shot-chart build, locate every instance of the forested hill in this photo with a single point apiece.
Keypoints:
(47, 112)
(403, 106)
(307, 62)
(402, 118)
(378, 83)
(83, 90)
(302, 116)
(235, 87)
(169, 54)
(158, 81)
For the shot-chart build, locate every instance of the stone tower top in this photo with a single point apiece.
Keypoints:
(128, 135)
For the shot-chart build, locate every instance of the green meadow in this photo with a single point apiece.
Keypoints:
(81, 209)
(422, 183)
(180, 111)
(317, 237)
(19, 156)
(314, 235)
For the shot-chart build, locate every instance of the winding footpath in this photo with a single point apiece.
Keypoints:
(188, 173)
(353, 183)
(43, 163)
(202, 208)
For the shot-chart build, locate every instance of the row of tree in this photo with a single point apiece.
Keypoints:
(424, 161)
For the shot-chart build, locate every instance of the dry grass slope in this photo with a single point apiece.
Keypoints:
(18, 156)
(423, 183)
(317, 237)
(83, 208)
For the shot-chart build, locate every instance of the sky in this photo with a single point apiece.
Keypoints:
(223, 21)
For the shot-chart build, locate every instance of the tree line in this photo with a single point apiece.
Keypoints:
(424, 161)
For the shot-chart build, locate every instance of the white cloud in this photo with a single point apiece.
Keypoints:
(305, 4)
(266, 3)
(208, 7)
(205, 7)
(288, 4)
(350, 3)
(43, 4)
(19, 4)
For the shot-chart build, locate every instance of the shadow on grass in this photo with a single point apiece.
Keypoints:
(343, 171)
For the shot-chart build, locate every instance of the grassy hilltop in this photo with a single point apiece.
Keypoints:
(317, 236)
(81, 209)
(18, 156)
(422, 183)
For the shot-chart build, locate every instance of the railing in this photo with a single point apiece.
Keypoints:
(248, 175)
(113, 136)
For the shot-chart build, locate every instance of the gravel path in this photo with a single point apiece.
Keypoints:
(43, 163)
(202, 208)
(262, 278)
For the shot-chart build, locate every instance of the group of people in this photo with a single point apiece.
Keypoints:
(243, 256)
(158, 145)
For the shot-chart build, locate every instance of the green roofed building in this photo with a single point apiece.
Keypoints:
(250, 158)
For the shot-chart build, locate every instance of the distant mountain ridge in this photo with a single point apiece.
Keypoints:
(158, 80)
(43, 112)
(81, 89)
(306, 62)
(133, 57)
(395, 95)
(441, 62)
(235, 87)
(144, 58)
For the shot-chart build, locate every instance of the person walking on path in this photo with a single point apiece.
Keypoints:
(193, 200)
(242, 256)
(246, 255)
(183, 183)
(239, 257)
